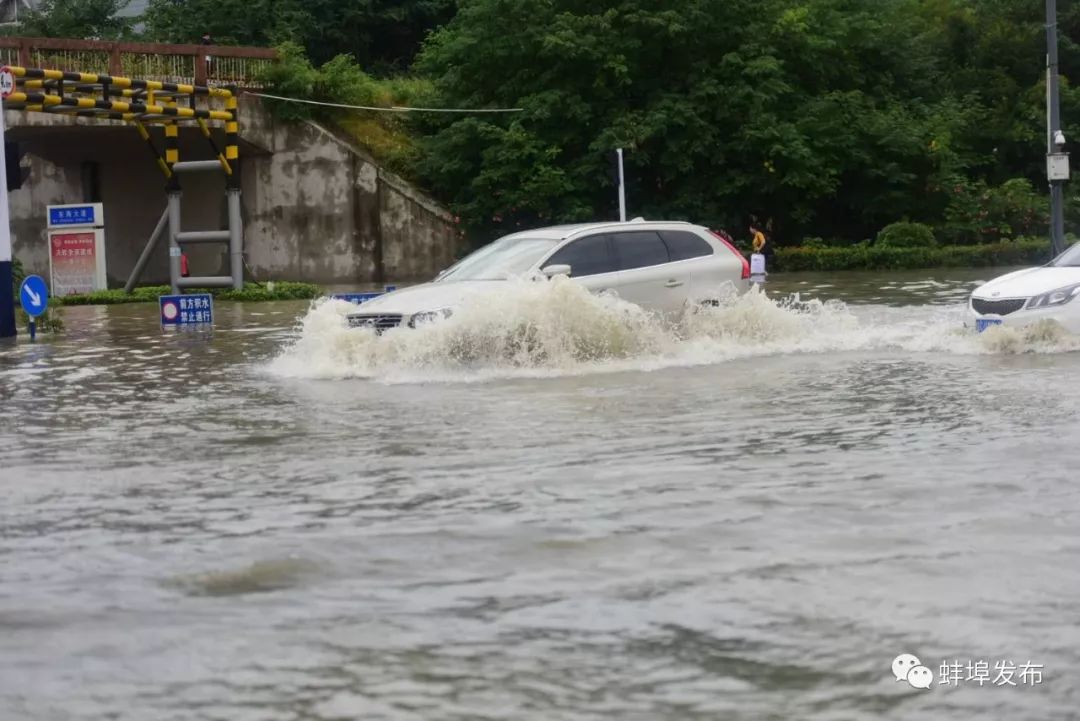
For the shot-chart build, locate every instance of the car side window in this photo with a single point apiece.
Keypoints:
(588, 256)
(683, 245)
(639, 249)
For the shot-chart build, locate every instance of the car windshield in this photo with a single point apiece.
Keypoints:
(501, 259)
(1070, 257)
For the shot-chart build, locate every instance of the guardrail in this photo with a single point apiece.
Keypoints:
(165, 62)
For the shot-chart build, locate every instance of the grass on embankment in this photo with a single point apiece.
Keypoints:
(251, 292)
(1027, 251)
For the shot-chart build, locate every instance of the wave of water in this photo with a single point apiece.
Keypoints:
(556, 328)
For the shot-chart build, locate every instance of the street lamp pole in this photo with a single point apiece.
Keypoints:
(1057, 160)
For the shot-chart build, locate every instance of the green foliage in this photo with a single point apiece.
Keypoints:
(88, 19)
(17, 275)
(823, 118)
(383, 35)
(1023, 251)
(229, 22)
(283, 290)
(977, 212)
(811, 115)
(51, 321)
(906, 235)
(292, 77)
(340, 80)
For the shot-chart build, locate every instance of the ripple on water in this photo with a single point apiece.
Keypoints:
(257, 577)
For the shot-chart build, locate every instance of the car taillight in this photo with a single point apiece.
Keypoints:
(733, 249)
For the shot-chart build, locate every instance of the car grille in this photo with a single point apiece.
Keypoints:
(378, 322)
(997, 307)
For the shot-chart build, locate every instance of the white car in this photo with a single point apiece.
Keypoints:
(660, 266)
(1032, 294)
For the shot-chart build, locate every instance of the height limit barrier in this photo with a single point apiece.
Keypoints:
(146, 103)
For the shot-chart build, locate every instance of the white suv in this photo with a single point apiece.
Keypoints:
(660, 266)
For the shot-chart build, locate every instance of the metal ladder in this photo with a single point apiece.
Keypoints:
(178, 238)
(227, 162)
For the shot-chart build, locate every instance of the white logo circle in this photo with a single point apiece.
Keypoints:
(7, 82)
(169, 310)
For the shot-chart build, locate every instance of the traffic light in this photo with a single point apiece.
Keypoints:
(16, 174)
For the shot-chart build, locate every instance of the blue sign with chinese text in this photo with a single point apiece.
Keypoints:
(72, 215)
(194, 309)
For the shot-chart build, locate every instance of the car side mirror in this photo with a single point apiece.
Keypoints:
(553, 270)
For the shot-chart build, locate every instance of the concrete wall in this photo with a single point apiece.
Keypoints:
(315, 207)
(325, 210)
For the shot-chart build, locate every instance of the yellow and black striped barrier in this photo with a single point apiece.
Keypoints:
(140, 102)
(117, 82)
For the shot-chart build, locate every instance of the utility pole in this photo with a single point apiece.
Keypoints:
(1057, 160)
(622, 189)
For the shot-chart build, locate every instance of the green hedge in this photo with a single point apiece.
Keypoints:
(874, 257)
(906, 235)
(283, 290)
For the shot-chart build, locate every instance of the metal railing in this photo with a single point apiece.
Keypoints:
(227, 65)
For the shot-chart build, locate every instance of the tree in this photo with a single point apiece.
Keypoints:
(90, 19)
(382, 35)
(815, 114)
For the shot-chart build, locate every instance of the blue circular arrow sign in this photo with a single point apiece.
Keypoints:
(33, 295)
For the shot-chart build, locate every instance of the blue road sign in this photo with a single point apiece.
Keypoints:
(365, 296)
(34, 295)
(193, 309)
(72, 215)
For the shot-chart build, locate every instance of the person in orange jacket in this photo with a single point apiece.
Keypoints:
(758, 243)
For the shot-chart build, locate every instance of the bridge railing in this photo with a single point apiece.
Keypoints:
(227, 65)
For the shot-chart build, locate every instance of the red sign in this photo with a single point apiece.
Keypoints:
(74, 262)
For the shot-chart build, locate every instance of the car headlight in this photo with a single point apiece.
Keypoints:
(429, 316)
(1061, 296)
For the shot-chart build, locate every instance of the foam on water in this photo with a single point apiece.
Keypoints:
(528, 328)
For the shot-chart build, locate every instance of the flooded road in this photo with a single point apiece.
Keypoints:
(595, 517)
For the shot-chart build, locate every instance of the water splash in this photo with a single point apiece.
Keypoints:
(525, 328)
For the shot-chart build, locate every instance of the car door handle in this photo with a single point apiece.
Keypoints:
(673, 283)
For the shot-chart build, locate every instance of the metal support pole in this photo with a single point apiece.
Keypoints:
(174, 248)
(232, 188)
(622, 189)
(144, 258)
(236, 239)
(1053, 110)
(7, 292)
